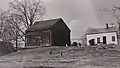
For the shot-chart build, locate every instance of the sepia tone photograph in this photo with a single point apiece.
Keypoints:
(59, 33)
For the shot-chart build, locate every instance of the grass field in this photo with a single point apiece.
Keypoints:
(62, 57)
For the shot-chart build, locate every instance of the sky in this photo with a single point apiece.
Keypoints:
(79, 15)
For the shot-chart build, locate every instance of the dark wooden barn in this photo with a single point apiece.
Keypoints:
(48, 32)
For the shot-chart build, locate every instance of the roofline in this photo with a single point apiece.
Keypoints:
(43, 21)
(63, 22)
(49, 19)
(37, 30)
(27, 30)
(101, 32)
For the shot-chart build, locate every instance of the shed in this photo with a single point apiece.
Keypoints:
(48, 32)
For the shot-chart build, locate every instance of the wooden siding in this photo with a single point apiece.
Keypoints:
(58, 34)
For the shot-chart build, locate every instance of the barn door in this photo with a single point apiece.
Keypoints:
(104, 40)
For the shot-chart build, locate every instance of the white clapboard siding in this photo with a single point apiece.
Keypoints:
(100, 35)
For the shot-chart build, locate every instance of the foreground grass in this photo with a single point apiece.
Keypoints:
(72, 57)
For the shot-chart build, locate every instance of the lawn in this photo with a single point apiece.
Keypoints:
(62, 57)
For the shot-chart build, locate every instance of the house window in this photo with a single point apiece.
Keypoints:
(113, 38)
(98, 40)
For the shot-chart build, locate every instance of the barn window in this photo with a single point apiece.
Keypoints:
(98, 40)
(113, 38)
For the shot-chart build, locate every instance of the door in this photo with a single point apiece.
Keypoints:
(104, 40)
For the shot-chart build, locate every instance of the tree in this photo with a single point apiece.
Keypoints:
(24, 14)
(27, 11)
(9, 27)
(4, 26)
(21, 16)
(116, 13)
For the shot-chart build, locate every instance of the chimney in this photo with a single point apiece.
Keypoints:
(107, 25)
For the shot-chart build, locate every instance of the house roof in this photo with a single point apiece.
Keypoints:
(101, 30)
(43, 25)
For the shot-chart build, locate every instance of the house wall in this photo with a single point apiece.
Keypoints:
(108, 37)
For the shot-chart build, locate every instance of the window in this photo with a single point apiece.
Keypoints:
(113, 38)
(98, 40)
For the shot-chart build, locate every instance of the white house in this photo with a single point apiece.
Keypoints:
(106, 35)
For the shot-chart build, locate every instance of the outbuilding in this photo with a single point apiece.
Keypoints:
(48, 32)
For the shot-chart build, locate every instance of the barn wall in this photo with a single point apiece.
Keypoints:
(60, 34)
(38, 38)
(60, 25)
(108, 37)
(61, 38)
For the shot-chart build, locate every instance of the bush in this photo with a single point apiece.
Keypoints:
(74, 44)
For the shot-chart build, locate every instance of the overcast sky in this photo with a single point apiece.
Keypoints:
(78, 14)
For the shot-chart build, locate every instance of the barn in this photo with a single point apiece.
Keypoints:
(48, 32)
(108, 35)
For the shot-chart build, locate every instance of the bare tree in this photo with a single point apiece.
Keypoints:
(19, 17)
(4, 28)
(115, 10)
(27, 11)
(83, 39)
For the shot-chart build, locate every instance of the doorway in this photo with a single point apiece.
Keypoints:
(104, 40)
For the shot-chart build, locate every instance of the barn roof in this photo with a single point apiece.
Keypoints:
(101, 30)
(43, 25)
